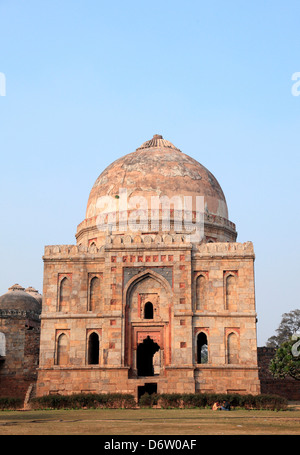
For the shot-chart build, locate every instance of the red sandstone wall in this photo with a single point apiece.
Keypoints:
(13, 386)
(18, 369)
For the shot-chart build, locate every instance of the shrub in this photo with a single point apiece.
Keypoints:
(201, 400)
(10, 403)
(84, 400)
(118, 400)
(247, 401)
(165, 400)
(146, 400)
(170, 400)
(234, 399)
(272, 402)
(211, 398)
(54, 401)
(194, 400)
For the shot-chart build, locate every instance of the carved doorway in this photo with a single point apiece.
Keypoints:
(145, 355)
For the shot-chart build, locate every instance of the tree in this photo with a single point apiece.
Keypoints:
(286, 361)
(290, 324)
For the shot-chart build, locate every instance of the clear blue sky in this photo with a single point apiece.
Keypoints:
(89, 81)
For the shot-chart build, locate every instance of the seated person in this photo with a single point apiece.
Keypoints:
(216, 406)
(226, 406)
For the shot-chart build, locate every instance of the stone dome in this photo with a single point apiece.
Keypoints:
(157, 168)
(17, 299)
(34, 293)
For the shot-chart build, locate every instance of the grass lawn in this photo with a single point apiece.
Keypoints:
(149, 422)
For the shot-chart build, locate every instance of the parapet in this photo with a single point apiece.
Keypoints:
(221, 249)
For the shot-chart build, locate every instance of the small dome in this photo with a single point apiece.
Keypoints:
(17, 299)
(34, 293)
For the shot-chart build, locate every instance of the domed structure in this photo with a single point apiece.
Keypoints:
(34, 293)
(140, 305)
(19, 341)
(157, 169)
(17, 301)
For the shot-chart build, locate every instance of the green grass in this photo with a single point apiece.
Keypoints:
(148, 422)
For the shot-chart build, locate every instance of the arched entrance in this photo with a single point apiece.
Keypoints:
(145, 354)
(147, 313)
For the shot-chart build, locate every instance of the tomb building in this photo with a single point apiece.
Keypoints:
(19, 340)
(156, 295)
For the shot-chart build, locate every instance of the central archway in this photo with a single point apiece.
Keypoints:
(153, 314)
(145, 353)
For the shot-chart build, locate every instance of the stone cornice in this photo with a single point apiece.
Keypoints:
(224, 314)
(224, 250)
(76, 316)
(19, 314)
(83, 367)
(145, 242)
(219, 314)
(89, 225)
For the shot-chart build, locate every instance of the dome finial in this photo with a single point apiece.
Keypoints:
(16, 287)
(158, 142)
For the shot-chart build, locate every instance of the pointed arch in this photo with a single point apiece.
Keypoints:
(230, 292)
(201, 292)
(94, 293)
(165, 292)
(232, 348)
(202, 348)
(148, 273)
(93, 349)
(62, 350)
(64, 294)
